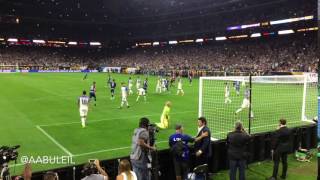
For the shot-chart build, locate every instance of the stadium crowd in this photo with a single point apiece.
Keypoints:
(281, 55)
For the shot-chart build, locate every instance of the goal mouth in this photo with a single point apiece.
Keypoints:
(224, 100)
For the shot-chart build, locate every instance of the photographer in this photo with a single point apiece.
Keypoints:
(140, 147)
(93, 171)
(280, 149)
(237, 142)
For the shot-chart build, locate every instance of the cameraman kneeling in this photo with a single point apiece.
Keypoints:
(140, 147)
(93, 171)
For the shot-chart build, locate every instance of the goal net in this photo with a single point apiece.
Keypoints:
(259, 100)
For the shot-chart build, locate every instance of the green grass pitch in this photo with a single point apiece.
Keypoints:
(39, 112)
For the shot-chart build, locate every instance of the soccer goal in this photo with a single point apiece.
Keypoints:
(257, 101)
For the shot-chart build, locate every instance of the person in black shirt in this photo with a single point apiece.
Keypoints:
(237, 142)
(280, 149)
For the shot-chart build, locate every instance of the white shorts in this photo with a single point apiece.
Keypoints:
(124, 99)
(245, 103)
(142, 94)
(83, 112)
(130, 86)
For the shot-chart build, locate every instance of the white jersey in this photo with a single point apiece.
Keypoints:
(124, 91)
(141, 92)
(227, 91)
(180, 85)
(130, 83)
(138, 83)
(83, 102)
(159, 83)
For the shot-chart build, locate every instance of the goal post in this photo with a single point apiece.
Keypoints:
(293, 97)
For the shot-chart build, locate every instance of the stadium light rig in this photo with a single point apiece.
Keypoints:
(72, 43)
(283, 32)
(95, 44)
(38, 41)
(173, 42)
(155, 43)
(199, 40)
(223, 38)
(12, 40)
(186, 41)
(255, 35)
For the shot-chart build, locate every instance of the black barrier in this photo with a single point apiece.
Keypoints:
(259, 150)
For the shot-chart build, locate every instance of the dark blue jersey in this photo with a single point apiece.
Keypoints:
(145, 84)
(113, 85)
(173, 139)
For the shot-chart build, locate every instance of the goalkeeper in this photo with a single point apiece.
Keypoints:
(164, 121)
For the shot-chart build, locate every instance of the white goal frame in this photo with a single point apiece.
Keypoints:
(304, 79)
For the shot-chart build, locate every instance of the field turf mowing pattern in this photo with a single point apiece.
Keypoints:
(39, 112)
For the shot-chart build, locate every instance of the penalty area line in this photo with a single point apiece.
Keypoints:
(109, 150)
(109, 119)
(55, 141)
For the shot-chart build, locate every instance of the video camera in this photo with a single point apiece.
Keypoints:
(152, 129)
(8, 154)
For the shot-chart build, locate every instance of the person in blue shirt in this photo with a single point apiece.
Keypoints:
(178, 143)
(113, 86)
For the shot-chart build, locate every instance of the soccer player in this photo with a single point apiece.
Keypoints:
(138, 83)
(190, 78)
(246, 101)
(85, 76)
(172, 81)
(227, 94)
(124, 95)
(237, 87)
(141, 92)
(158, 87)
(166, 84)
(83, 105)
(145, 85)
(93, 92)
(130, 84)
(180, 90)
(163, 84)
(109, 79)
(164, 120)
(113, 86)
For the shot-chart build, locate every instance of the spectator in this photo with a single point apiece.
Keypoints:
(125, 172)
(26, 174)
(93, 171)
(140, 147)
(51, 176)
(280, 149)
(237, 142)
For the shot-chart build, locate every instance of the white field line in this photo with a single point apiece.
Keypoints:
(110, 119)
(108, 150)
(55, 142)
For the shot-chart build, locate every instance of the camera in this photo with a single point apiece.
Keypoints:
(89, 168)
(8, 154)
(152, 129)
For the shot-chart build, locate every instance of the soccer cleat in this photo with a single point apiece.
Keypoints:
(128, 106)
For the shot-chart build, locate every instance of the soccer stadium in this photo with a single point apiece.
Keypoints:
(158, 90)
